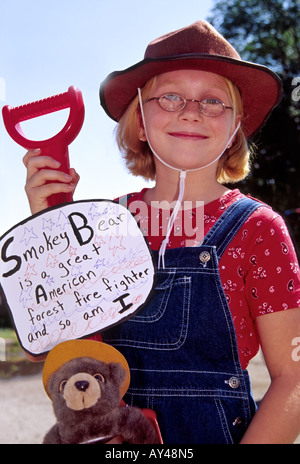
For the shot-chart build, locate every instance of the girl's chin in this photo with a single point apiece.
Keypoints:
(186, 163)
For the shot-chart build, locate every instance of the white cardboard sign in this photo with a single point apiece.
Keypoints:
(73, 271)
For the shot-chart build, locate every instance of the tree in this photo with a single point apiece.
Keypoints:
(268, 32)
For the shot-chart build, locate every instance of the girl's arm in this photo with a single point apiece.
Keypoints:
(40, 171)
(277, 419)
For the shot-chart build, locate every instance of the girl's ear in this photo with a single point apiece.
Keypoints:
(142, 135)
(140, 126)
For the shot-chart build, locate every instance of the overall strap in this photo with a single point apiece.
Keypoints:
(226, 227)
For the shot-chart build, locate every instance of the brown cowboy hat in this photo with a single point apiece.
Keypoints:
(198, 46)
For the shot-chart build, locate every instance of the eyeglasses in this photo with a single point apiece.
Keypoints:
(211, 107)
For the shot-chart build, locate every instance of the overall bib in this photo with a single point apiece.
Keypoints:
(182, 349)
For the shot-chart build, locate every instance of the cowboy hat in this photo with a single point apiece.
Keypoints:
(200, 47)
(65, 351)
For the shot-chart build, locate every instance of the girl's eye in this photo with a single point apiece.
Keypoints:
(62, 386)
(99, 377)
(171, 102)
(211, 101)
(172, 97)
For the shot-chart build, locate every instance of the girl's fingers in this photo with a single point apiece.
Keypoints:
(43, 176)
(30, 154)
(44, 179)
(35, 163)
(44, 191)
(75, 176)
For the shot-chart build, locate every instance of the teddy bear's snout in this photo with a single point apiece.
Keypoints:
(82, 385)
(81, 391)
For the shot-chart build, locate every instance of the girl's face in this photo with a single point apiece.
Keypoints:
(187, 139)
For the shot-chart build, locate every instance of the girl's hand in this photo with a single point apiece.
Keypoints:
(40, 171)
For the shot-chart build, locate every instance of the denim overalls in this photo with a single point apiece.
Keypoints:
(182, 349)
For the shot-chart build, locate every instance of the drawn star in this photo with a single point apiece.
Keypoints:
(30, 271)
(62, 221)
(50, 281)
(28, 235)
(93, 211)
(51, 260)
(25, 296)
(108, 210)
(115, 243)
(99, 262)
(72, 251)
(48, 224)
(76, 271)
(99, 241)
(134, 252)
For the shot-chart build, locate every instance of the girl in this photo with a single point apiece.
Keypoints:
(185, 113)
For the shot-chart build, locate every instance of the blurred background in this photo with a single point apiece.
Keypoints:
(48, 46)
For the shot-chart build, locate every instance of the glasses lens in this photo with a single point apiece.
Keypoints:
(212, 107)
(171, 102)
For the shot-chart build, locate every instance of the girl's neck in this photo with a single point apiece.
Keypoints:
(198, 187)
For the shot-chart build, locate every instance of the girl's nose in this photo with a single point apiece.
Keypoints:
(191, 111)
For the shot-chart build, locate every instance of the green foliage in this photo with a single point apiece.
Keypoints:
(265, 31)
(268, 32)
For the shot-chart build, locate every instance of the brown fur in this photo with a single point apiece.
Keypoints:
(103, 415)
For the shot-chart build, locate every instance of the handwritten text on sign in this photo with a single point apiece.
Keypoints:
(73, 271)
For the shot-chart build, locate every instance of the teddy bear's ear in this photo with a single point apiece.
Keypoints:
(117, 373)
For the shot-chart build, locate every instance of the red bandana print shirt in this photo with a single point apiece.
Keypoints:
(259, 269)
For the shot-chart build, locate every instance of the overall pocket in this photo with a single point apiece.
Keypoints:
(233, 414)
(185, 418)
(163, 323)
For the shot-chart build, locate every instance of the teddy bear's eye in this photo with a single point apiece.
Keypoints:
(62, 386)
(99, 377)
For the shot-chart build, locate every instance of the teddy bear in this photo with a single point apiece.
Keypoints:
(86, 381)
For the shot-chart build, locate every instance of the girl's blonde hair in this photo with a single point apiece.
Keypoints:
(233, 166)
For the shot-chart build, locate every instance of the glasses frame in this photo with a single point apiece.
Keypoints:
(186, 100)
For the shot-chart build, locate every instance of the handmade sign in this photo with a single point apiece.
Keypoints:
(72, 271)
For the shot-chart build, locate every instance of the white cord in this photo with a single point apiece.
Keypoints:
(162, 250)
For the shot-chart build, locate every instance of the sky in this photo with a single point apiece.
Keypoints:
(47, 46)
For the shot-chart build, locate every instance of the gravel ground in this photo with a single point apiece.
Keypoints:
(26, 411)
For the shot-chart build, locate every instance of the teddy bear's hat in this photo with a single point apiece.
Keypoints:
(65, 351)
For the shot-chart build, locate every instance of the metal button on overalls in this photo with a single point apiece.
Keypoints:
(204, 257)
(233, 382)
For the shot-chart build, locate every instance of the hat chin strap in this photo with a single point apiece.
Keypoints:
(182, 178)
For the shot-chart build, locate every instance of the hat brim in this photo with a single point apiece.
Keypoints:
(261, 88)
(66, 351)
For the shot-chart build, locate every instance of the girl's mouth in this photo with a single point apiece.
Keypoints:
(188, 135)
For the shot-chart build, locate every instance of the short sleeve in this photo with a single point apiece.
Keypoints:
(273, 278)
